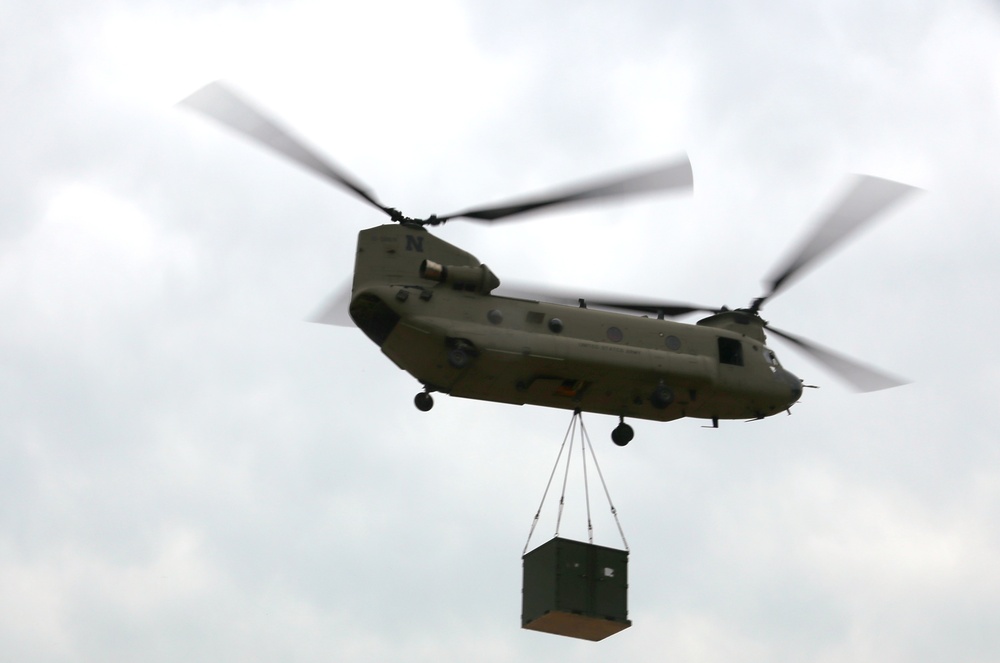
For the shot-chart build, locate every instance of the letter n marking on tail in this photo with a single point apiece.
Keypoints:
(415, 243)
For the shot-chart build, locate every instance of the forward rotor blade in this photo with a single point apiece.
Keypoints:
(599, 300)
(868, 197)
(675, 175)
(859, 376)
(223, 105)
(335, 310)
(668, 309)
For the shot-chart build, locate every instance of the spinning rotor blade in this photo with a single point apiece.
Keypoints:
(598, 300)
(668, 309)
(223, 105)
(334, 310)
(859, 376)
(675, 175)
(862, 203)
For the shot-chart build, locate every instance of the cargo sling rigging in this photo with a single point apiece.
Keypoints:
(575, 427)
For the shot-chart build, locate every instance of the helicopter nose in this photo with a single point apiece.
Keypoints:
(794, 384)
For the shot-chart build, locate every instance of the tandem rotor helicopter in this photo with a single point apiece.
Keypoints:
(432, 309)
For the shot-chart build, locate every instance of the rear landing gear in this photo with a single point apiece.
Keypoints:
(623, 433)
(424, 401)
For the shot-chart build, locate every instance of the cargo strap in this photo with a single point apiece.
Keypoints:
(576, 425)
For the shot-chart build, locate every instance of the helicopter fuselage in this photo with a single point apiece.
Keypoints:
(430, 308)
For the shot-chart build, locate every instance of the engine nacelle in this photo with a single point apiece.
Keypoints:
(462, 277)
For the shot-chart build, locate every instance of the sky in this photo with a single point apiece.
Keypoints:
(189, 470)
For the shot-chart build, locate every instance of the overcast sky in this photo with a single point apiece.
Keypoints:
(189, 471)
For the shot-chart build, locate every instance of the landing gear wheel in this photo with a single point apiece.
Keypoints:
(661, 397)
(424, 401)
(458, 357)
(622, 434)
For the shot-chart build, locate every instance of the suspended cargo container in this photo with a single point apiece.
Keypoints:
(575, 589)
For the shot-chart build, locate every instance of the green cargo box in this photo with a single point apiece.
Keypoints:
(575, 589)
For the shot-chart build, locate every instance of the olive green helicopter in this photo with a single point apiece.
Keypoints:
(436, 311)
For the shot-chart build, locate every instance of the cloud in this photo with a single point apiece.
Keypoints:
(188, 470)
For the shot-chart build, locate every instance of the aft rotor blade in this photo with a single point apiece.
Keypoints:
(665, 177)
(335, 310)
(868, 197)
(225, 106)
(858, 375)
(599, 300)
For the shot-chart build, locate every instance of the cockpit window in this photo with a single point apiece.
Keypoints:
(730, 351)
(771, 359)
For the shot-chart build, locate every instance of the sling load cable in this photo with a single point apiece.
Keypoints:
(614, 511)
(569, 458)
(549, 484)
(584, 445)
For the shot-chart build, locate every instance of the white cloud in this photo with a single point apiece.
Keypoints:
(190, 471)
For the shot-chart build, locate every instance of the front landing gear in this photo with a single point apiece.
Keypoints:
(424, 401)
(623, 433)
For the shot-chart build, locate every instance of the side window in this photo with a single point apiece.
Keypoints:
(730, 351)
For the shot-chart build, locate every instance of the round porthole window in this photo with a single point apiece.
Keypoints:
(615, 334)
(673, 343)
(495, 316)
(555, 325)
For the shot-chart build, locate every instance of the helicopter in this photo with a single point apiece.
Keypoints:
(439, 313)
